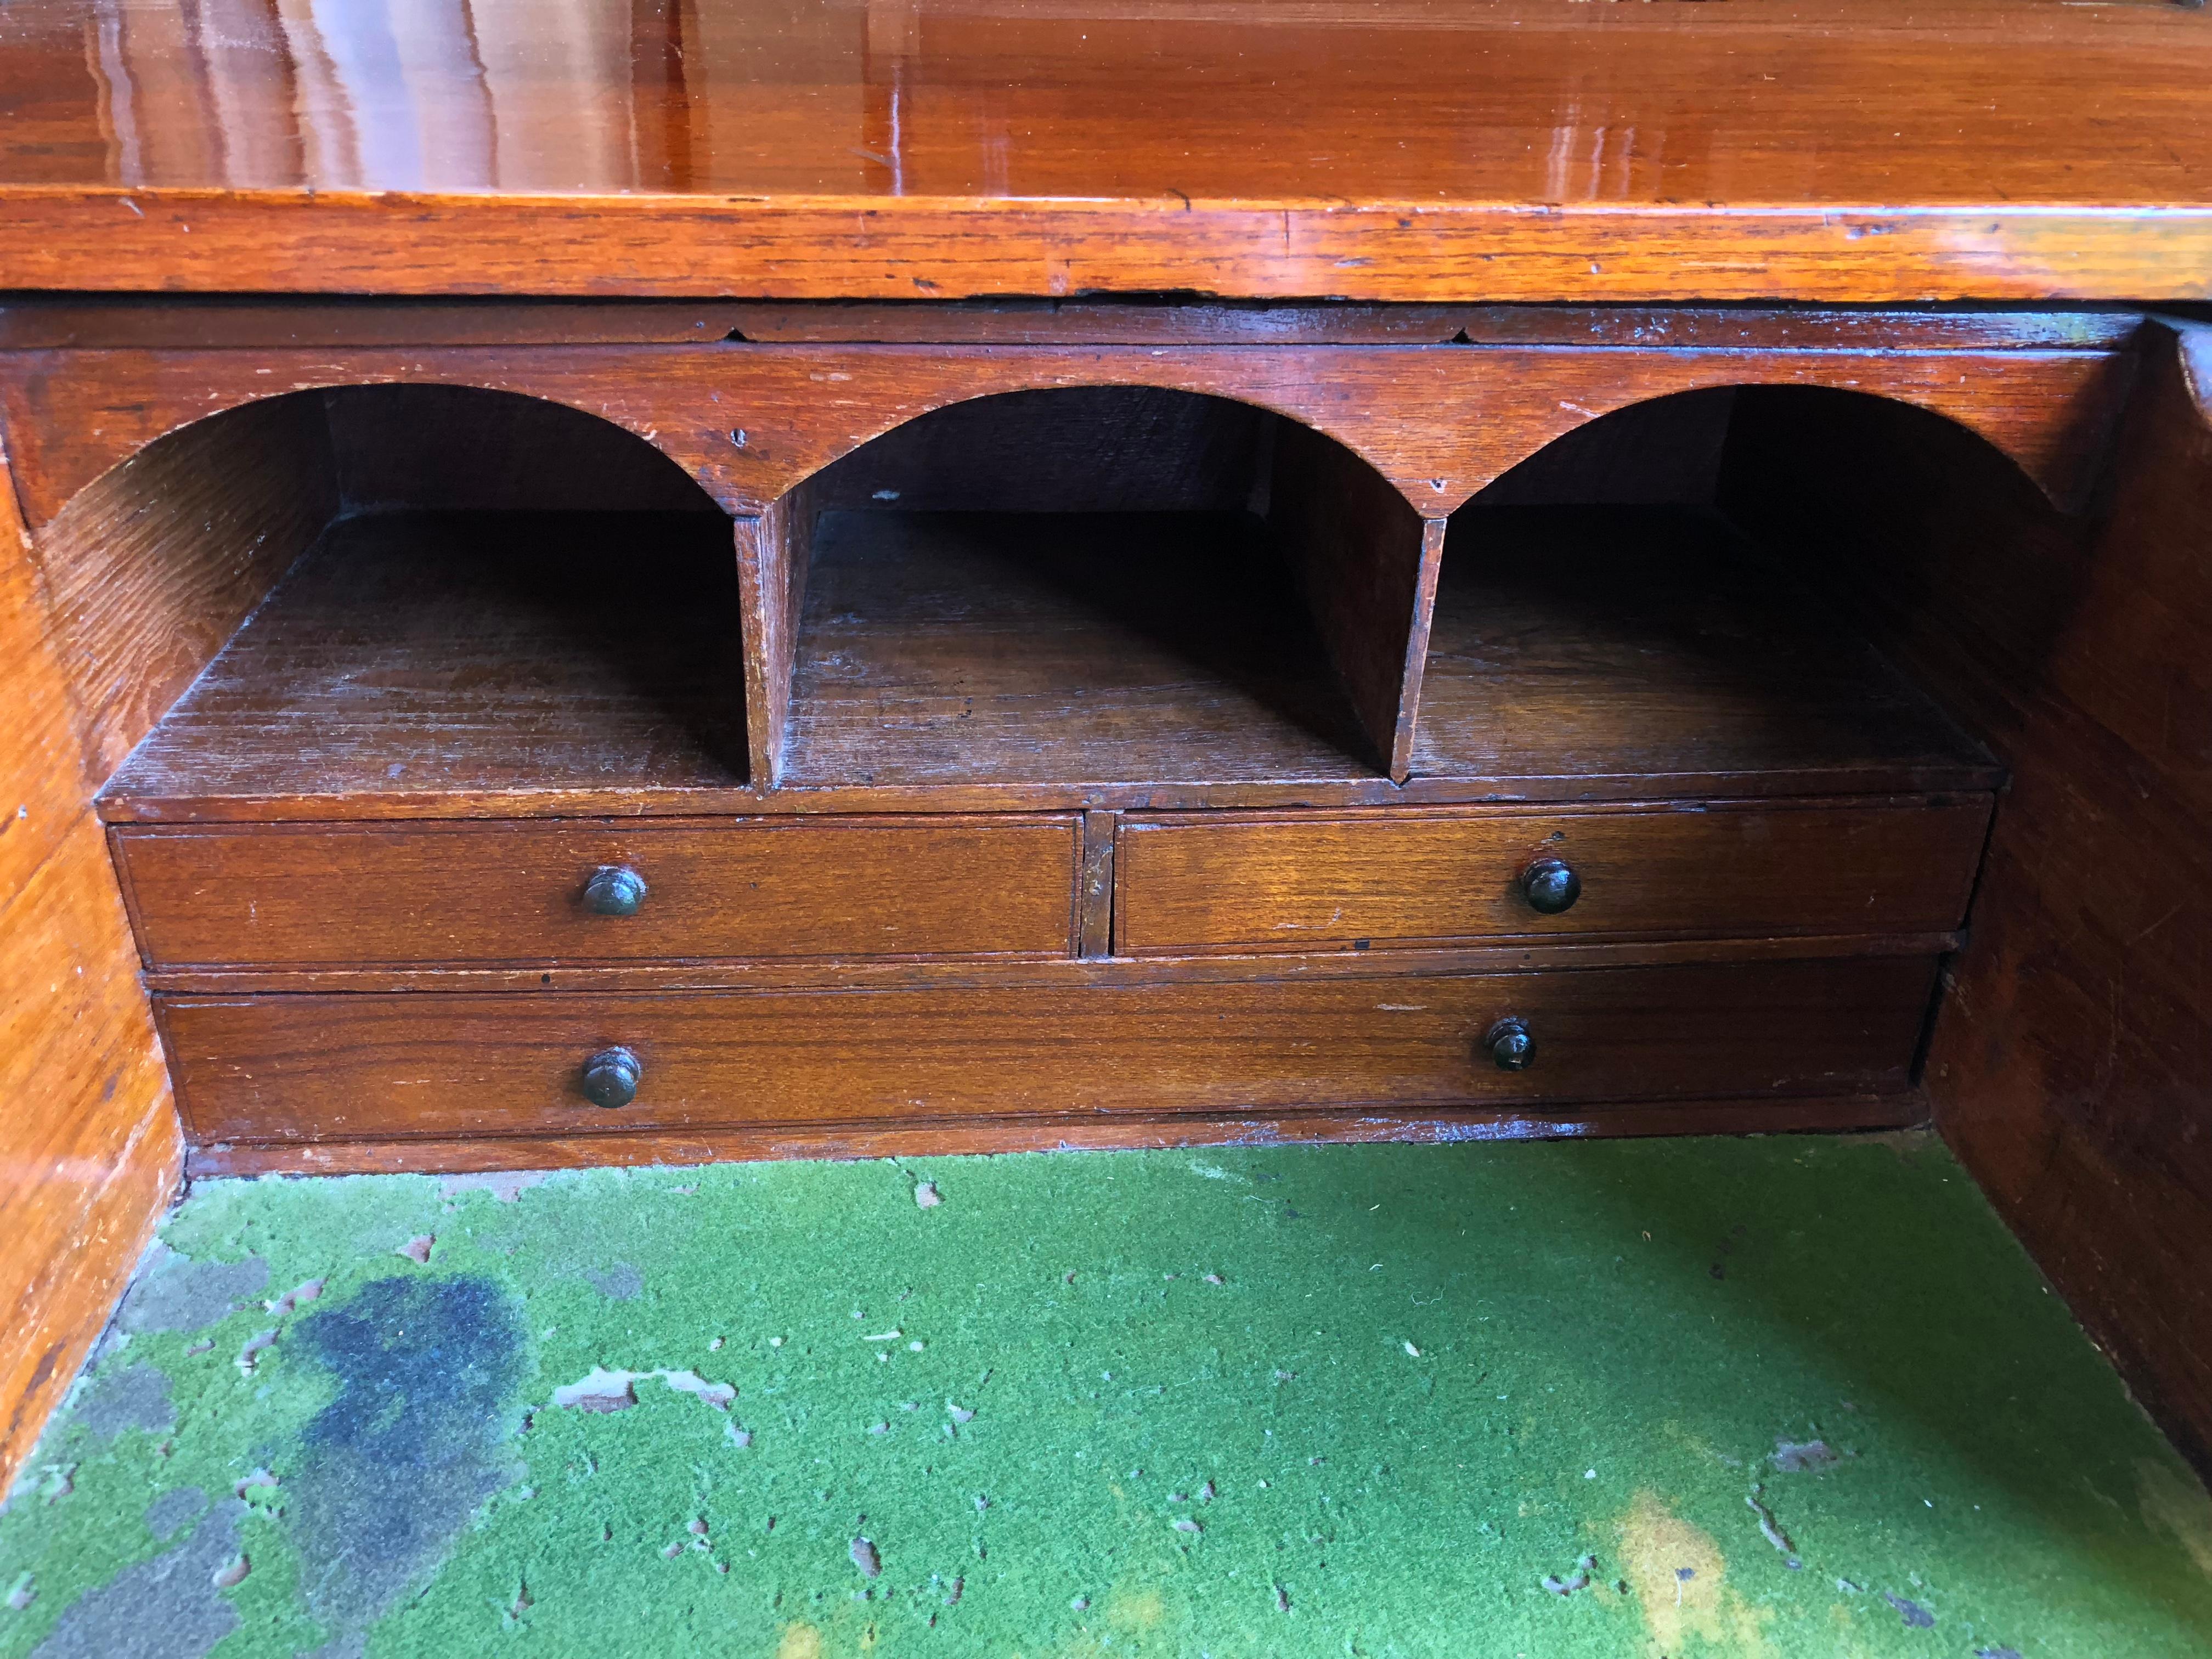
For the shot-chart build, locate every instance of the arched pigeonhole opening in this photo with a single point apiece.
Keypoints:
(1105, 585)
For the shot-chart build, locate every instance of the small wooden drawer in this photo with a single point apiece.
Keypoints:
(1197, 882)
(435, 893)
(302, 1068)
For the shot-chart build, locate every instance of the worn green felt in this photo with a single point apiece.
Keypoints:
(1785, 1396)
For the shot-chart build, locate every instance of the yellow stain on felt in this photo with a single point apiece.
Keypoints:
(799, 1642)
(2171, 1502)
(1656, 1548)
(1135, 1610)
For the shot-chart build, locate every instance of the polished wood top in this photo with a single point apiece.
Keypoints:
(1836, 149)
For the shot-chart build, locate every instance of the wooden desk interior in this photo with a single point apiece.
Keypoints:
(889, 578)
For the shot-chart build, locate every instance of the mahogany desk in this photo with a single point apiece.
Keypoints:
(598, 582)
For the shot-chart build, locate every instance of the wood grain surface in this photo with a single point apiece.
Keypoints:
(90, 1148)
(311, 1067)
(1838, 150)
(1079, 649)
(427, 895)
(1310, 881)
(750, 421)
(774, 550)
(1366, 563)
(1518, 955)
(151, 569)
(1978, 556)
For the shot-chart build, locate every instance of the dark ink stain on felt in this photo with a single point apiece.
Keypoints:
(40, 1373)
(1916, 1617)
(177, 1294)
(127, 1397)
(388, 1474)
(1726, 1247)
(1794, 1456)
(165, 1609)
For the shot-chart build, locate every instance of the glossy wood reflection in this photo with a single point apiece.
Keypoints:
(898, 148)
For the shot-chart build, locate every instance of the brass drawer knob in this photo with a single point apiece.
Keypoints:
(615, 890)
(1511, 1047)
(610, 1078)
(1550, 885)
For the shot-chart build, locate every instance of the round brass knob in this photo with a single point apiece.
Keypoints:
(1550, 885)
(610, 1078)
(615, 890)
(1511, 1046)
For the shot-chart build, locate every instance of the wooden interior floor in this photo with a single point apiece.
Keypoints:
(1583, 653)
(1117, 647)
(1778, 1396)
(428, 654)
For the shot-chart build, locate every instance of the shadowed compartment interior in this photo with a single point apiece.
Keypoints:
(509, 597)
(1107, 585)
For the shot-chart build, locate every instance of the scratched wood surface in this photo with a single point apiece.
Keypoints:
(954, 1137)
(178, 321)
(1837, 149)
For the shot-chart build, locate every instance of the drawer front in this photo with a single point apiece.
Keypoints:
(274, 896)
(1301, 882)
(308, 1067)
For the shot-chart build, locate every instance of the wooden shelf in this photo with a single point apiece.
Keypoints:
(958, 648)
(1594, 653)
(443, 653)
(593, 660)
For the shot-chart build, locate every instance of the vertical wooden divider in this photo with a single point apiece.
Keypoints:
(773, 551)
(1367, 562)
(758, 544)
(1417, 651)
(1094, 896)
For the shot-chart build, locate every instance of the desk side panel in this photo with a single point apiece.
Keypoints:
(89, 1150)
(2071, 1064)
